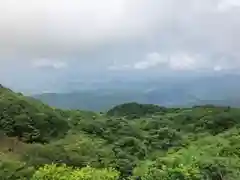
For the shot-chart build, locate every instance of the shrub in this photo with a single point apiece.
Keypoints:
(54, 172)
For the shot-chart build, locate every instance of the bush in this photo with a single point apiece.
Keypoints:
(135, 110)
(73, 151)
(54, 172)
(13, 169)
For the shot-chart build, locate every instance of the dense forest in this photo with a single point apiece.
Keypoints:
(130, 141)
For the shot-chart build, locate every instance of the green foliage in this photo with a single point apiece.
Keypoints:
(135, 110)
(11, 169)
(139, 141)
(204, 159)
(28, 119)
(53, 172)
(72, 151)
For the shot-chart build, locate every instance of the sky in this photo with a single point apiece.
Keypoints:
(45, 42)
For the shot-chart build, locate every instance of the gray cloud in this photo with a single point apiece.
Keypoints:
(208, 31)
(58, 26)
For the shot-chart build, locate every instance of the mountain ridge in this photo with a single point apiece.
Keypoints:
(219, 90)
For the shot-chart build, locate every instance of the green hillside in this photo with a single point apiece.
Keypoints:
(131, 141)
(28, 119)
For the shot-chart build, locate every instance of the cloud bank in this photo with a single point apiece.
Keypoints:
(120, 34)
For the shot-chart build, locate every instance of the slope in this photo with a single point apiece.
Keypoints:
(29, 119)
(131, 141)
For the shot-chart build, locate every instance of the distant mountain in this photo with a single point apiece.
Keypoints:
(219, 90)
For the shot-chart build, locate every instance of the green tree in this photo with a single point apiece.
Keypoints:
(54, 172)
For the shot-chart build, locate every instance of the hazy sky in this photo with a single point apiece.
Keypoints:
(52, 39)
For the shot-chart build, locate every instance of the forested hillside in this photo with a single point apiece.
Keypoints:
(130, 141)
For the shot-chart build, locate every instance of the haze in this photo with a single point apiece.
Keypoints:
(49, 42)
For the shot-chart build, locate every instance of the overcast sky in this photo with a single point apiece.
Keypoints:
(51, 39)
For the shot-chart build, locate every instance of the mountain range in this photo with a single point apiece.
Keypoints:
(169, 92)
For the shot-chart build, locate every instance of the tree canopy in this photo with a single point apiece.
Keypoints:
(130, 141)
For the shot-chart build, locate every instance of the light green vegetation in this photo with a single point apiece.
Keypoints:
(130, 141)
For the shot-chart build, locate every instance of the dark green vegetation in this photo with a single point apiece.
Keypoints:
(130, 141)
(135, 110)
(28, 119)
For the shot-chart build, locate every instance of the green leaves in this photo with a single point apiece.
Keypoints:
(135, 110)
(54, 172)
(210, 158)
(139, 141)
(74, 150)
(11, 169)
(29, 119)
